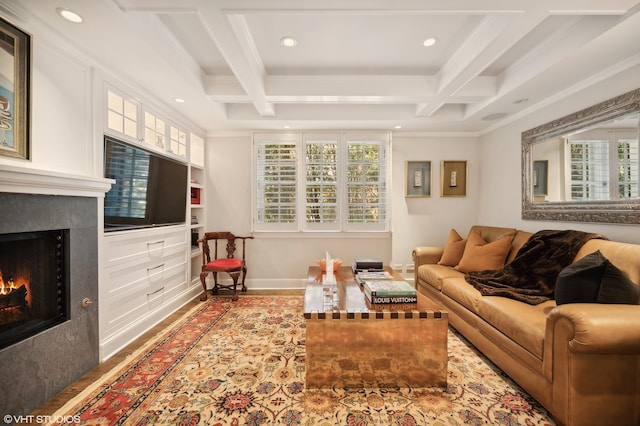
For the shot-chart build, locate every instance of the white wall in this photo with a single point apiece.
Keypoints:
(501, 173)
(61, 114)
(427, 221)
(274, 260)
(281, 260)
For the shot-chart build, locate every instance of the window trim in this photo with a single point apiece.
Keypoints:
(281, 138)
(300, 139)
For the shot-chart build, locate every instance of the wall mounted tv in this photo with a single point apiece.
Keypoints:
(150, 189)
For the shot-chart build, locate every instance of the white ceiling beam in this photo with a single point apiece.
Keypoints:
(320, 112)
(596, 7)
(225, 89)
(573, 36)
(483, 86)
(400, 86)
(347, 88)
(490, 39)
(385, 7)
(236, 51)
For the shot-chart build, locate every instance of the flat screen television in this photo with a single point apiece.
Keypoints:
(150, 189)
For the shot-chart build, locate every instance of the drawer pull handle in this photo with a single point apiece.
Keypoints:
(154, 251)
(154, 292)
(155, 267)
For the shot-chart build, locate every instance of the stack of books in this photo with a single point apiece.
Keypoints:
(363, 276)
(367, 264)
(388, 291)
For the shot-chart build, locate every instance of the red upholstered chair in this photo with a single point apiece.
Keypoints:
(226, 262)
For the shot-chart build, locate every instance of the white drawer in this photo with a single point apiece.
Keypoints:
(144, 270)
(138, 298)
(143, 244)
(126, 277)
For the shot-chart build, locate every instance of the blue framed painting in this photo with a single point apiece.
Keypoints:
(15, 91)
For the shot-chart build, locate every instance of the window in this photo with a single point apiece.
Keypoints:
(604, 165)
(321, 182)
(366, 182)
(154, 130)
(276, 191)
(628, 171)
(122, 114)
(590, 170)
(178, 143)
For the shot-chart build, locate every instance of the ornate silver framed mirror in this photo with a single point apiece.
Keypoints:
(585, 167)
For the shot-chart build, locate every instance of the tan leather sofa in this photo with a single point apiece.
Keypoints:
(580, 361)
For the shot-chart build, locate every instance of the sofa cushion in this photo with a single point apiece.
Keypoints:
(480, 255)
(519, 239)
(434, 274)
(523, 323)
(458, 289)
(594, 279)
(453, 249)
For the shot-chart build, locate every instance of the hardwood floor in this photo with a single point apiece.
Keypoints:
(50, 407)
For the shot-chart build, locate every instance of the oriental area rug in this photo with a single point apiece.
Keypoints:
(243, 363)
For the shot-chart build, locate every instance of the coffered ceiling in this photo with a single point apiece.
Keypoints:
(356, 63)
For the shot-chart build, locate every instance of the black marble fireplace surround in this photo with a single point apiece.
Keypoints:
(37, 368)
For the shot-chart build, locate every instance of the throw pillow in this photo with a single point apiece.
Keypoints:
(616, 287)
(594, 279)
(482, 256)
(580, 281)
(453, 249)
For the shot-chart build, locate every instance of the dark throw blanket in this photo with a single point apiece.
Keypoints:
(531, 276)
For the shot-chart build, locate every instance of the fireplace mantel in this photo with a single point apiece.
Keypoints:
(32, 181)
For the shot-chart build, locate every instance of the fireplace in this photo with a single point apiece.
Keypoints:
(52, 240)
(34, 285)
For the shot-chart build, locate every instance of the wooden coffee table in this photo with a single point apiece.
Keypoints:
(349, 345)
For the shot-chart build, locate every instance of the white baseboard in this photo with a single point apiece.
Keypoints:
(267, 284)
(277, 284)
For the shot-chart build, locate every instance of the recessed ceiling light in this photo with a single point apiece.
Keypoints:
(397, 127)
(179, 100)
(286, 127)
(429, 42)
(69, 15)
(288, 41)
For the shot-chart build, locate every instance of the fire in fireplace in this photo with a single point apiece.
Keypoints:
(34, 287)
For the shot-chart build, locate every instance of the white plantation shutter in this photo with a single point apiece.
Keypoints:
(628, 168)
(366, 184)
(590, 170)
(276, 184)
(604, 165)
(321, 182)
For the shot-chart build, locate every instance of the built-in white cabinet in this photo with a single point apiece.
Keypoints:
(135, 122)
(197, 205)
(122, 115)
(144, 279)
(146, 274)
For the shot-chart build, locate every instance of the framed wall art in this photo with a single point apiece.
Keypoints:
(454, 178)
(417, 179)
(15, 91)
(540, 177)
